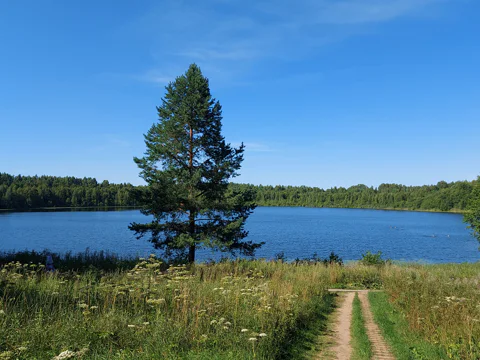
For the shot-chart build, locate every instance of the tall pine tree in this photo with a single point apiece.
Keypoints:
(187, 166)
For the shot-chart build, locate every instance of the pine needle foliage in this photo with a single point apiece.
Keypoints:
(187, 167)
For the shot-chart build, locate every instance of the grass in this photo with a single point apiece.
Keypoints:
(80, 262)
(232, 310)
(405, 344)
(439, 303)
(361, 345)
(114, 308)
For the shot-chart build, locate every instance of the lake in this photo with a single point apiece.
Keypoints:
(298, 232)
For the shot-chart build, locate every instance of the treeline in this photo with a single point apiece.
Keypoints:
(29, 192)
(442, 197)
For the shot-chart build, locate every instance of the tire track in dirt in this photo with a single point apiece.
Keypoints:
(342, 349)
(380, 349)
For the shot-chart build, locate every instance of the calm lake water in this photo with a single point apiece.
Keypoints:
(298, 232)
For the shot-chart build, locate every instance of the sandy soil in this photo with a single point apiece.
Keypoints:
(342, 350)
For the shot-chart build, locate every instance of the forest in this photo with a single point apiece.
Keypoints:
(33, 192)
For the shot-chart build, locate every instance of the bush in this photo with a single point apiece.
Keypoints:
(373, 259)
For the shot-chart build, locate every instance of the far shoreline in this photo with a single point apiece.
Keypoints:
(122, 208)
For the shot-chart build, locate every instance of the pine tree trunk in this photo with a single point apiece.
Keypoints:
(191, 250)
(191, 230)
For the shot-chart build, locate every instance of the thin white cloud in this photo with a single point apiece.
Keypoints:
(232, 36)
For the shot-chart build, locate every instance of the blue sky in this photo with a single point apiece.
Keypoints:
(322, 92)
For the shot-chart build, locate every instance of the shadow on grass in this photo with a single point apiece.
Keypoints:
(303, 338)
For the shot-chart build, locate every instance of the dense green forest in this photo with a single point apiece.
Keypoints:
(443, 196)
(28, 192)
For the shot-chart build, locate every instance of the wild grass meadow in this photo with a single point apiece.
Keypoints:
(237, 310)
(242, 309)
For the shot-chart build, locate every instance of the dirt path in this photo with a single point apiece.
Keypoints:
(381, 350)
(342, 349)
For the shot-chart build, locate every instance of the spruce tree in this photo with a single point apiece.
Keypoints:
(187, 167)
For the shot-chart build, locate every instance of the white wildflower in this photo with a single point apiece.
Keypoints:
(67, 354)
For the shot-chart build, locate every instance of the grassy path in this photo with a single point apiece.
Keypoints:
(361, 344)
(342, 333)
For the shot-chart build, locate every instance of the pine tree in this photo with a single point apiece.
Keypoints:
(187, 166)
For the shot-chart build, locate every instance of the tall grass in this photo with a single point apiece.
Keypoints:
(239, 310)
(405, 343)
(80, 262)
(441, 303)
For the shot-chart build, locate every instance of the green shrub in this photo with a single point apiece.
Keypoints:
(372, 259)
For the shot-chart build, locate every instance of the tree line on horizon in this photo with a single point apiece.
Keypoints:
(30, 192)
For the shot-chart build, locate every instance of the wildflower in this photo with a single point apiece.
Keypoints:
(82, 306)
(2, 312)
(131, 326)
(67, 354)
(146, 323)
(244, 330)
(213, 322)
(22, 348)
(93, 307)
(252, 339)
(6, 355)
(155, 301)
(262, 334)
(226, 328)
(228, 323)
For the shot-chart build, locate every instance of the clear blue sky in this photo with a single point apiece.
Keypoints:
(322, 92)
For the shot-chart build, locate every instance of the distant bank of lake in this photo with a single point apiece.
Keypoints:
(296, 231)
